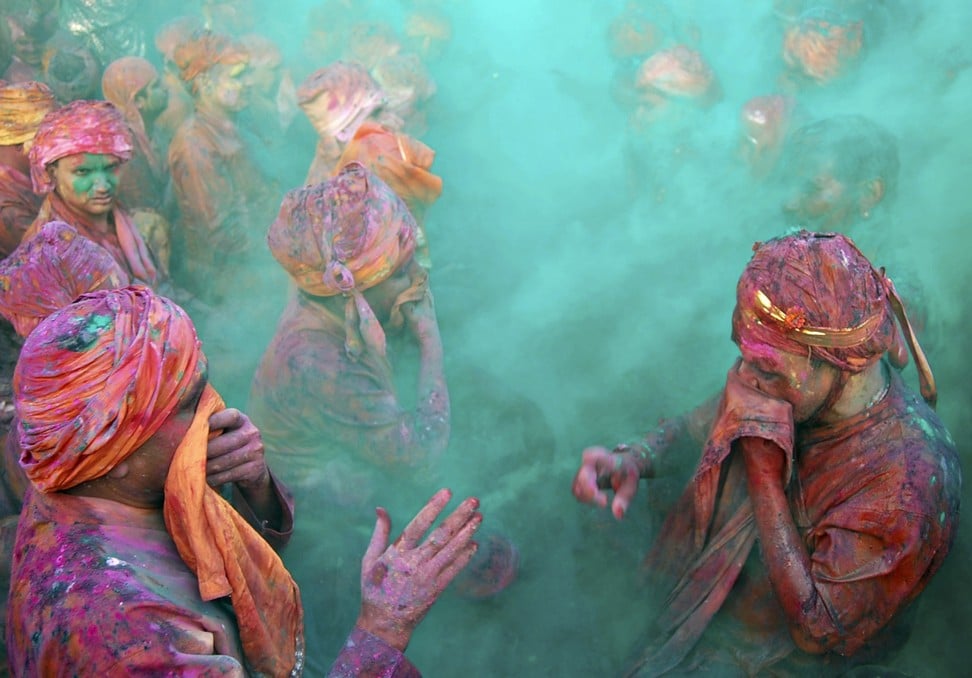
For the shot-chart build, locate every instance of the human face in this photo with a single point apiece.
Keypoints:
(382, 296)
(225, 86)
(801, 381)
(821, 202)
(152, 100)
(87, 182)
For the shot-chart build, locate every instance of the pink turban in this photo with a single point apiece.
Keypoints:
(83, 126)
(49, 271)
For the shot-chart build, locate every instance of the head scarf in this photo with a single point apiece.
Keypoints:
(82, 126)
(343, 236)
(95, 381)
(816, 294)
(22, 107)
(70, 68)
(50, 271)
(399, 160)
(173, 33)
(121, 82)
(341, 95)
(203, 50)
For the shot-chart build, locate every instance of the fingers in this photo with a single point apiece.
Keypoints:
(458, 563)
(627, 485)
(379, 540)
(457, 543)
(230, 418)
(596, 465)
(420, 524)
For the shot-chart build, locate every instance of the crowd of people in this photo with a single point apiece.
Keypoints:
(148, 188)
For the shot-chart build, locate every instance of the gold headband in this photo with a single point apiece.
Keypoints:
(794, 322)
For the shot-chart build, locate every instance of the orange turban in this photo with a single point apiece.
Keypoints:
(81, 126)
(22, 107)
(339, 97)
(94, 382)
(343, 236)
(816, 294)
(121, 82)
(399, 160)
(49, 271)
(203, 50)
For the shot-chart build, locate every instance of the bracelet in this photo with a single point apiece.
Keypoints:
(644, 453)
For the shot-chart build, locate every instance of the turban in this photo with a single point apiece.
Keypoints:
(22, 107)
(51, 270)
(174, 32)
(82, 126)
(399, 160)
(121, 82)
(816, 294)
(203, 50)
(94, 382)
(343, 236)
(96, 379)
(339, 97)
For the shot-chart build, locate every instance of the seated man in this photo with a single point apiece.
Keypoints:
(819, 452)
(127, 561)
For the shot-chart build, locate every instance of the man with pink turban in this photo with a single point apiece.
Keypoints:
(326, 393)
(819, 452)
(124, 443)
(22, 107)
(75, 161)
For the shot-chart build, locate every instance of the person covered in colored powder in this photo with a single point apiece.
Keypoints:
(128, 560)
(819, 453)
(328, 393)
(135, 87)
(22, 107)
(224, 199)
(75, 161)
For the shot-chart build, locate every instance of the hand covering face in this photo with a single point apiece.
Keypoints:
(49, 271)
(82, 126)
(22, 107)
(344, 236)
(96, 380)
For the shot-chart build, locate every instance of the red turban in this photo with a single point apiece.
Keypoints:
(203, 50)
(82, 126)
(816, 294)
(343, 236)
(49, 271)
(96, 379)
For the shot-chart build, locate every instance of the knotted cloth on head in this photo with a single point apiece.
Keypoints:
(203, 50)
(817, 294)
(82, 126)
(51, 270)
(339, 97)
(121, 82)
(95, 381)
(343, 236)
(22, 107)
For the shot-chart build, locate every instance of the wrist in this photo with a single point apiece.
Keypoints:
(389, 631)
(642, 455)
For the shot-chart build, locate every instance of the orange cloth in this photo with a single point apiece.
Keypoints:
(51, 270)
(95, 381)
(344, 236)
(229, 557)
(399, 160)
(81, 126)
(22, 107)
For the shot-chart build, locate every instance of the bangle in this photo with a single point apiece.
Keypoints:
(643, 453)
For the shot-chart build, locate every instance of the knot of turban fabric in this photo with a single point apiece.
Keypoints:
(51, 270)
(82, 126)
(399, 160)
(339, 97)
(343, 236)
(203, 50)
(816, 294)
(22, 107)
(121, 82)
(96, 380)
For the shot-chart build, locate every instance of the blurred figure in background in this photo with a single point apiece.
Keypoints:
(22, 107)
